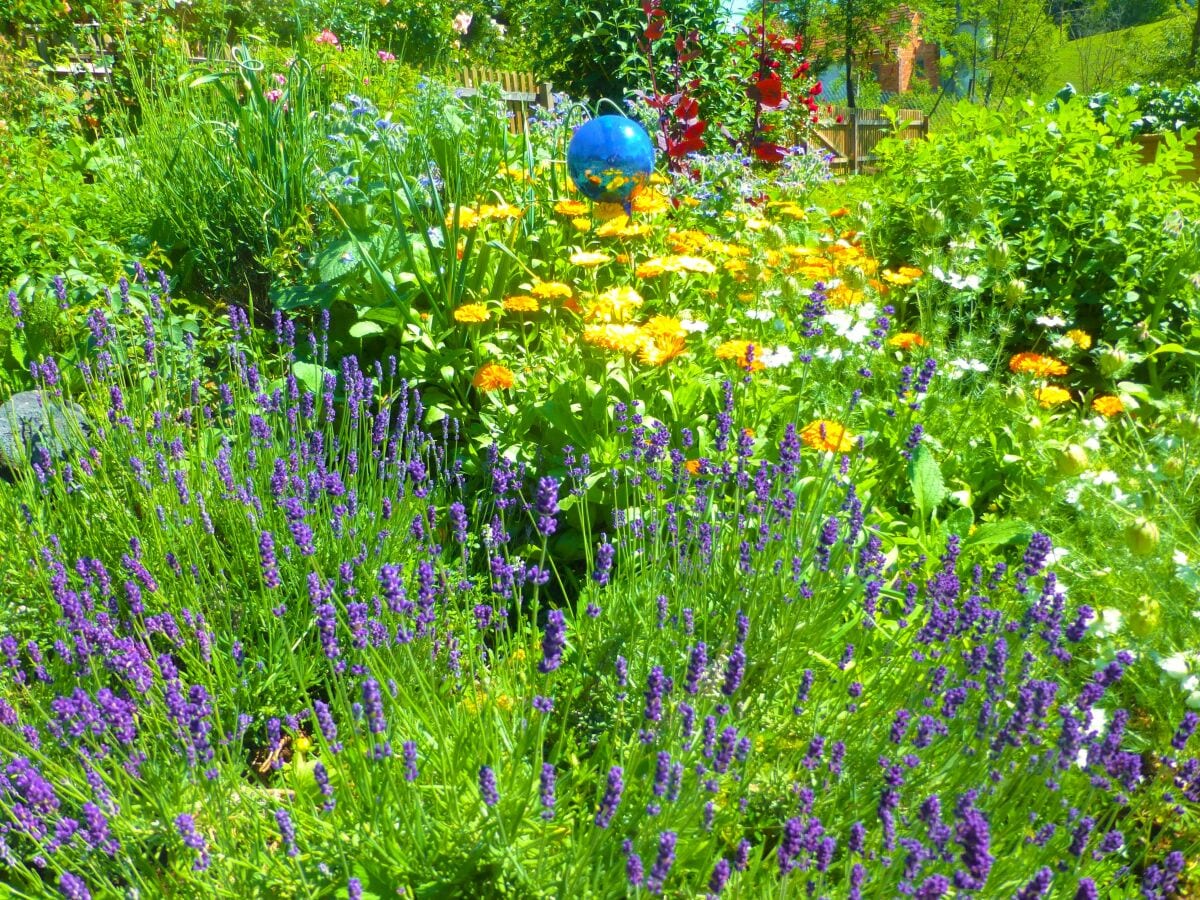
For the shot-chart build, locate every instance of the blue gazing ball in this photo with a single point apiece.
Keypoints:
(610, 159)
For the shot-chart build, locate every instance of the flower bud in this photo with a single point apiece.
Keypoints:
(931, 222)
(1112, 360)
(998, 255)
(1142, 537)
(1014, 292)
(1173, 467)
(1072, 460)
(1146, 617)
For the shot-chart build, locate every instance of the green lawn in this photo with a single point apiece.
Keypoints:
(1102, 60)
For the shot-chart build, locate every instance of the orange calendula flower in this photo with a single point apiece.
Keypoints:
(588, 260)
(551, 290)
(1108, 406)
(660, 349)
(471, 314)
(1052, 395)
(906, 340)
(1080, 339)
(693, 466)
(1036, 364)
(824, 434)
(740, 352)
(839, 212)
(571, 208)
(521, 303)
(493, 377)
(910, 272)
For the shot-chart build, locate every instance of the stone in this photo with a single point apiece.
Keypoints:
(33, 422)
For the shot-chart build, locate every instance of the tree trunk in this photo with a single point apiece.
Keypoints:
(849, 8)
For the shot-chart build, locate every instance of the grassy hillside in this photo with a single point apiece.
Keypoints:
(1115, 57)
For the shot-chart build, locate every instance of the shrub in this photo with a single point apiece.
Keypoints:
(1063, 214)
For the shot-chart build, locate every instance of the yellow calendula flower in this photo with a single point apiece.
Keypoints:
(551, 290)
(521, 303)
(571, 208)
(690, 241)
(910, 272)
(516, 173)
(606, 212)
(651, 203)
(739, 351)
(493, 377)
(843, 296)
(581, 224)
(1080, 339)
(587, 259)
(664, 327)
(619, 338)
(824, 434)
(471, 314)
(651, 268)
(897, 278)
(502, 210)
(754, 223)
(625, 230)
(467, 217)
(614, 305)
(1051, 395)
(1108, 406)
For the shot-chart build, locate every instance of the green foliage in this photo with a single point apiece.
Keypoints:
(218, 169)
(1052, 211)
(589, 49)
(1160, 109)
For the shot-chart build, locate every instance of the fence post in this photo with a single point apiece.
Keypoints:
(853, 142)
(545, 96)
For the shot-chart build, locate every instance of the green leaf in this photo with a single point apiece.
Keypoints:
(1007, 531)
(311, 375)
(365, 329)
(928, 486)
(959, 522)
(301, 296)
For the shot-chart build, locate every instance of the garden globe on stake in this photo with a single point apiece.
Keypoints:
(610, 158)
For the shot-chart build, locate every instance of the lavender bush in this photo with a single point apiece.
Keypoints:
(268, 639)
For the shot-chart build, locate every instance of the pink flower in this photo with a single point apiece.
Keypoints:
(384, 56)
(280, 80)
(273, 95)
(462, 22)
(327, 37)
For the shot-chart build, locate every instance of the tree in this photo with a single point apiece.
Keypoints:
(863, 25)
(1002, 45)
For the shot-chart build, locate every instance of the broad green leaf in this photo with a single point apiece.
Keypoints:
(928, 486)
(1007, 531)
(365, 329)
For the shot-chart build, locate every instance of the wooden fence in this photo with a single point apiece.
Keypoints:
(852, 140)
(519, 90)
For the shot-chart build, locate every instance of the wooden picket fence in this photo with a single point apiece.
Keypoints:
(852, 141)
(519, 90)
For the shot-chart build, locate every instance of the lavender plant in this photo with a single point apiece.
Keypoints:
(283, 645)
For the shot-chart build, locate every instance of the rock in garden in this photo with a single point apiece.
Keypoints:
(36, 421)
